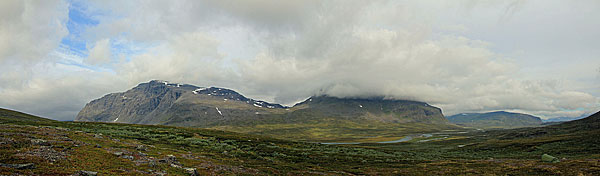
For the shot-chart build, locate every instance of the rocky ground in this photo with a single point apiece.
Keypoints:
(57, 151)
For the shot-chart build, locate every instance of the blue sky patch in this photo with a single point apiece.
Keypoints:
(80, 18)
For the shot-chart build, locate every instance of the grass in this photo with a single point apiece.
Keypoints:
(336, 130)
(92, 146)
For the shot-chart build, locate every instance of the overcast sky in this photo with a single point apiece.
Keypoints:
(540, 57)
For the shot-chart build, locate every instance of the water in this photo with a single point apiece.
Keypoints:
(404, 139)
(407, 138)
(337, 143)
(434, 139)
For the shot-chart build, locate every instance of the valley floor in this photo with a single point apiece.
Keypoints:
(43, 147)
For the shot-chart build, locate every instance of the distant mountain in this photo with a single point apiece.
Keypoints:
(564, 119)
(161, 102)
(498, 119)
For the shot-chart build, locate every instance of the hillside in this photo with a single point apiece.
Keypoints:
(49, 147)
(319, 118)
(589, 123)
(498, 119)
(567, 141)
(564, 119)
(10, 115)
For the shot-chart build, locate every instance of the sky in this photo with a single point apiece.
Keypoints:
(540, 57)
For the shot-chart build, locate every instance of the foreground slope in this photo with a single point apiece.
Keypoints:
(64, 148)
(569, 140)
(498, 119)
(316, 119)
(10, 115)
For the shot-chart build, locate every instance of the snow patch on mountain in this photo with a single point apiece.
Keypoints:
(218, 110)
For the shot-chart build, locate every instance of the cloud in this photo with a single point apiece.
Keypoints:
(186, 58)
(100, 53)
(30, 29)
(455, 73)
(282, 51)
(58, 98)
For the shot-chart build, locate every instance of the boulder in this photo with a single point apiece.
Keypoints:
(191, 171)
(141, 148)
(19, 166)
(127, 157)
(549, 159)
(40, 142)
(87, 173)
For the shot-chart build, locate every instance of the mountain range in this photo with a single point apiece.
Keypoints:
(318, 117)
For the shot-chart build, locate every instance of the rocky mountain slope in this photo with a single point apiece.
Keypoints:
(160, 102)
(498, 119)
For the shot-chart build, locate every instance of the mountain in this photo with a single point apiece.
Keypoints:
(160, 102)
(331, 119)
(164, 103)
(377, 108)
(498, 119)
(565, 119)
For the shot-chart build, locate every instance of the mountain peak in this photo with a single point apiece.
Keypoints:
(150, 103)
(163, 82)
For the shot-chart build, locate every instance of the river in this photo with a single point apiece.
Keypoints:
(404, 139)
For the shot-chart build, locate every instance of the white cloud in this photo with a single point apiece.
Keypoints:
(284, 51)
(455, 73)
(29, 30)
(100, 53)
(186, 58)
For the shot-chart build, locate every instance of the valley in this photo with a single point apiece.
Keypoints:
(159, 128)
(299, 87)
(129, 149)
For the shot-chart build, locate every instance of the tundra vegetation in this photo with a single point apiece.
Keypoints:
(32, 145)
